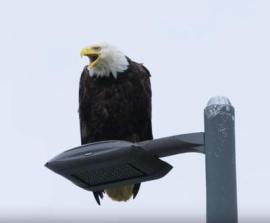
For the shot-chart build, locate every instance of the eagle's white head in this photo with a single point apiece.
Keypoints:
(105, 60)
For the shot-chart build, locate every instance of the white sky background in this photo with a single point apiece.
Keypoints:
(193, 49)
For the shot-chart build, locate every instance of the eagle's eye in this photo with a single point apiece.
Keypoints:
(96, 48)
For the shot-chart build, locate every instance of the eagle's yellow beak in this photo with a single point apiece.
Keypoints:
(92, 54)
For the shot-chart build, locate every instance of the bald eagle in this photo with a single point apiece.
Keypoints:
(114, 104)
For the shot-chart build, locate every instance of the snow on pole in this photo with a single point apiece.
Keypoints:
(220, 161)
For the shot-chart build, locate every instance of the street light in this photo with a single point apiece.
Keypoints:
(103, 165)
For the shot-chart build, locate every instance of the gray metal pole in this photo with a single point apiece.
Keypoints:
(220, 161)
(172, 145)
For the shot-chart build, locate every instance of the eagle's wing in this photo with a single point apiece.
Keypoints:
(143, 107)
(143, 103)
(82, 95)
(84, 133)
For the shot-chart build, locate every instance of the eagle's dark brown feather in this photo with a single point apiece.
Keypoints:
(116, 109)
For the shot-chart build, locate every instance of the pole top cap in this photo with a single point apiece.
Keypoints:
(219, 100)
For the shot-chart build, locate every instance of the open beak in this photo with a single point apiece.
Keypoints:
(91, 54)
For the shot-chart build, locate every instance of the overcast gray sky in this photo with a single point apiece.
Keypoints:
(194, 50)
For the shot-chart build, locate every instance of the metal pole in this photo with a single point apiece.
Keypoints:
(220, 164)
(172, 145)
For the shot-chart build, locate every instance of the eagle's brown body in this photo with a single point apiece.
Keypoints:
(116, 109)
